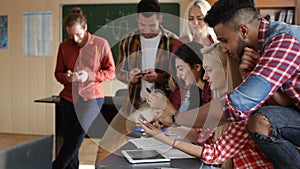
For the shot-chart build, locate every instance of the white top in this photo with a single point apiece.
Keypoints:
(149, 50)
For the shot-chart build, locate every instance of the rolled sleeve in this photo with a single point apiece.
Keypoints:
(246, 98)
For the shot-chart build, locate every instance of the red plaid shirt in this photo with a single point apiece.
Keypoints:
(281, 70)
(236, 143)
(205, 135)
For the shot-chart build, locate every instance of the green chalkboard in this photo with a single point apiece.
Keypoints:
(112, 21)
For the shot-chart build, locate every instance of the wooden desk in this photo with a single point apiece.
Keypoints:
(108, 112)
(58, 120)
(116, 160)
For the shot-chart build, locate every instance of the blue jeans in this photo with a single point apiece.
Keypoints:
(280, 147)
(207, 166)
(76, 120)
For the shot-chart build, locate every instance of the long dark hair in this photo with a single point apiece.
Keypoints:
(191, 54)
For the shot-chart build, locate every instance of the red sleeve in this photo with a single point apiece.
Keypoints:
(60, 72)
(176, 45)
(107, 71)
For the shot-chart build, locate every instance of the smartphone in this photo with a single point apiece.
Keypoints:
(142, 73)
(142, 119)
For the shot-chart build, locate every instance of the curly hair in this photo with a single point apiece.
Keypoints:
(224, 11)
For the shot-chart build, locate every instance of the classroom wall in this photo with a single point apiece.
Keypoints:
(25, 79)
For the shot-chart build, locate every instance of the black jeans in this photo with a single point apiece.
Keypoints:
(76, 120)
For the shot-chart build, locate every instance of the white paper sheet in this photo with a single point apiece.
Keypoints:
(152, 143)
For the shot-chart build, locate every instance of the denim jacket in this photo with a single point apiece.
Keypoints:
(256, 89)
(277, 28)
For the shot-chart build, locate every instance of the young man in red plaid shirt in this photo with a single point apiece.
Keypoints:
(275, 75)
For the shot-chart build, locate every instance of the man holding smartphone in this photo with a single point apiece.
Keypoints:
(142, 63)
(144, 53)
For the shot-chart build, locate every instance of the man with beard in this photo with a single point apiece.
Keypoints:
(143, 62)
(84, 62)
(144, 53)
(274, 75)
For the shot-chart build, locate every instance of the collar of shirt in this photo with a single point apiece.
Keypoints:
(262, 33)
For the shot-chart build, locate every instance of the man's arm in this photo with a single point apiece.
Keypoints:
(277, 66)
(207, 116)
(249, 61)
(107, 71)
(122, 72)
(61, 73)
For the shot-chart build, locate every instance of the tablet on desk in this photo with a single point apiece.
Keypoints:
(144, 156)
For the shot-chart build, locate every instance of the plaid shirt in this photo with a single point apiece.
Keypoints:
(279, 64)
(236, 143)
(130, 57)
(205, 135)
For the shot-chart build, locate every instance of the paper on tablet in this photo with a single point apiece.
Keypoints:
(168, 151)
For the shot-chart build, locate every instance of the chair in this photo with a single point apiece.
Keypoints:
(120, 97)
(36, 154)
(121, 92)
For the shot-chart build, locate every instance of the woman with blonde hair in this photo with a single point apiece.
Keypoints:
(232, 144)
(196, 29)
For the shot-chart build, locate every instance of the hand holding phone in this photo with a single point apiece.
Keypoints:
(142, 119)
(142, 73)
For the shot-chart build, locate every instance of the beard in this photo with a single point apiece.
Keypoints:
(240, 48)
(149, 35)
(83, 41)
